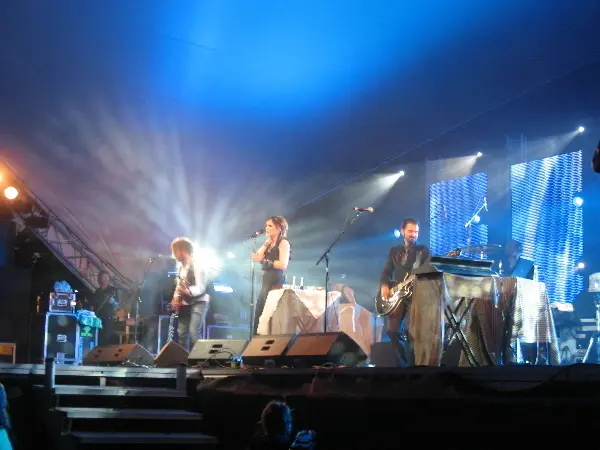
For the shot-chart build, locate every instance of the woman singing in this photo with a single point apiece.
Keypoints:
(274, 256)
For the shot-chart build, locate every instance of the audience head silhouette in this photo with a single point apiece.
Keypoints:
(276, 421)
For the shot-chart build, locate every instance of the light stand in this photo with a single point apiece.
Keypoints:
(325, 257)
(252, 299)
(590, 357)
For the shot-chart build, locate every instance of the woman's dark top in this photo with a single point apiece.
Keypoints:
(271, 275)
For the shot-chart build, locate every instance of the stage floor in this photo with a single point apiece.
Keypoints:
(497, 377)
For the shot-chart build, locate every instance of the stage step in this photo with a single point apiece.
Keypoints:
(142, 440)
(117, 397)
(126, 420)
(118, 391)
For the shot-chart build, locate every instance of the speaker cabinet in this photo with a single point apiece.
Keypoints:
(383, 354)
(115, 355)
(318, 349)
(214, 352)
(171, 355)
(267, 350)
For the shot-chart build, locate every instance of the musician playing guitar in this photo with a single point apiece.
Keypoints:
(401, 262)
(104, 302)
(190, 300)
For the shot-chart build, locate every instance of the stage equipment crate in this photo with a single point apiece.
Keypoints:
(62, 302)
(66, 339)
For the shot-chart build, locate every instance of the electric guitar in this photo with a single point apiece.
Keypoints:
(399, 291)
(174, 307)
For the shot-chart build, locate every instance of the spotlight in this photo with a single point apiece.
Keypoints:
(479, 155)
(397, 234)
(401, 173)
(577, 201)
(581, 129)
(580, 265)
(11, 193)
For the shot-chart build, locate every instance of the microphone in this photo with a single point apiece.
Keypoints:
(369, 209)
(256, 233)
(485, 203)
(155, 257)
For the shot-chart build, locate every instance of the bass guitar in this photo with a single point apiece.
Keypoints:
(399, 292)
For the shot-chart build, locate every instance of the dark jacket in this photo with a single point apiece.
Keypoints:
(399, 262)
(596, 159)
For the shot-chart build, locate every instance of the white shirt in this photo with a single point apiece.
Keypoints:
(199, 274)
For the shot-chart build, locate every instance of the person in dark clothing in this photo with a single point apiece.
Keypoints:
(105, 303)
(401, 261)
(276, 428)
(596, 159)
(510, 257)
(274, 256)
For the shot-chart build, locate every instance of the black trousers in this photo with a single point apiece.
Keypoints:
(260, 306)
(398, 332)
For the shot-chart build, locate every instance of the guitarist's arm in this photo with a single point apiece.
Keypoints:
(386, 275)
(199, 288)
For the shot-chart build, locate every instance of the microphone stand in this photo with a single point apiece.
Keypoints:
(138, 300)
(252, 299)
(470, 222)
(325, 257)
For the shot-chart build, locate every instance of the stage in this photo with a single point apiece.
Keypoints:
(347, 407)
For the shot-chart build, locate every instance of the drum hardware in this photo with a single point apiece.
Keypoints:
(591, 356)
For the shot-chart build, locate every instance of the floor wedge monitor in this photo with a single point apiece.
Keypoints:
(215, 352)
(171, 355)
(116, 355)
(320, 349)
(267, 350)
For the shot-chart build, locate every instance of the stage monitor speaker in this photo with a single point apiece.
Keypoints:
(319, 349)
(267, 350)
(383, 354)
(171, 355)
(214, 352)
(116, 355)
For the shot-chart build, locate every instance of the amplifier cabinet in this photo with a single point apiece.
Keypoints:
(61, 340)
(228, 332)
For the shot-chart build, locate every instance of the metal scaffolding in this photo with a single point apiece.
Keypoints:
(66, 245)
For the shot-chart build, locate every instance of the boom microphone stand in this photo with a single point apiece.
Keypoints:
(252, 298)
(325, 256)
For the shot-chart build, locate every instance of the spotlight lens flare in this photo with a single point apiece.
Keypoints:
(479, 155)
(577, 201)
(397, 234)
(581, 129)
(11, 193)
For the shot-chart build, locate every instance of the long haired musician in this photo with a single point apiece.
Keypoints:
(402, 260)
(190, 298)
(274, 256)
